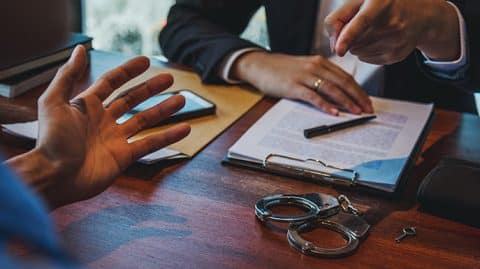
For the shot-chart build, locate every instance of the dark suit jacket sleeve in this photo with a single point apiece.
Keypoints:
(469, 77)
(201, 33)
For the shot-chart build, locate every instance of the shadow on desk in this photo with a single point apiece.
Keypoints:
(125, 221)
(151, 171)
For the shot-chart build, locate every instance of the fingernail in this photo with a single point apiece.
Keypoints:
(332, 44)
(74, 53)
(356, 110)
(341, 51)
(370, 109)
(334, 111)
(77, 49)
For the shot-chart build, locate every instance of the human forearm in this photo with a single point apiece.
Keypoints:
(463, 72)
(441, 40)
(35, 169)
(247, 67)
(225, 68)
(470, 10)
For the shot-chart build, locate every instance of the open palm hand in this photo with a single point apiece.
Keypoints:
(81, 138)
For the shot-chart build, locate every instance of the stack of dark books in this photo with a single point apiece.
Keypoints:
(19, 77)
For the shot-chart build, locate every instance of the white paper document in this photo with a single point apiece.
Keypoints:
(378, 150)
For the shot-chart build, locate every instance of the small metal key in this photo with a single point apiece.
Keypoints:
(409, 231)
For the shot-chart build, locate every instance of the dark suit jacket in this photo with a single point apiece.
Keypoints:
(200, 33)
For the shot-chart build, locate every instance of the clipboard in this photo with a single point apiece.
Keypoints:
(331, 179)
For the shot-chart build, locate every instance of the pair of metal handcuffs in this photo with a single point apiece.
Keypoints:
(321, 211)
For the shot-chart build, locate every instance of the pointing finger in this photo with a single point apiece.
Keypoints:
(360, 23)
(335, 22)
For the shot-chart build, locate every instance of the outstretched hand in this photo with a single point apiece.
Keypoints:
(79, 141)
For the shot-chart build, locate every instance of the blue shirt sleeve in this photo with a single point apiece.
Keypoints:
(24, 217)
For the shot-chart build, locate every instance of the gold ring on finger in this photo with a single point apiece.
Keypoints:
(318, 84)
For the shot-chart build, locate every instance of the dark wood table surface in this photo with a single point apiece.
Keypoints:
(200, 214)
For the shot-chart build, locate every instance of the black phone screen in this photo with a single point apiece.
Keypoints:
(195, 106)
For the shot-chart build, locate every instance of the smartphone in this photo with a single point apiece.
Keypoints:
(195, 106)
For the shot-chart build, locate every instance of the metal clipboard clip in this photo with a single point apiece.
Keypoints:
(310, 173)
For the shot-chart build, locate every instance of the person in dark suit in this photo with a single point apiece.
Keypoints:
(204, 34)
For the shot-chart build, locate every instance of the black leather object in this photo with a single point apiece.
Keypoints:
(452, 190)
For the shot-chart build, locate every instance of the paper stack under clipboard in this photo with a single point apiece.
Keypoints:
(373, 155)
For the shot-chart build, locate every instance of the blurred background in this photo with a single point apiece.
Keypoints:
(131, 26)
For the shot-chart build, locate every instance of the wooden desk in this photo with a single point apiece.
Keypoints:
(199, 214)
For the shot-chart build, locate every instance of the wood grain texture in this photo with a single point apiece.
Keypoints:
(199, 214)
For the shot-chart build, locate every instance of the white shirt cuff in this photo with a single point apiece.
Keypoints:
(452, 66)
(227, 63)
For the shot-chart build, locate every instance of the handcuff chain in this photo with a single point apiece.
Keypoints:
(347, 206)
(335, 214)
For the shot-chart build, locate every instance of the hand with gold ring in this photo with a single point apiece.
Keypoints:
(312, 79)
(80, 149)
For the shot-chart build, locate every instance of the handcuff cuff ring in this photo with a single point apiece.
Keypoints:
(308, 248)
(315, 205)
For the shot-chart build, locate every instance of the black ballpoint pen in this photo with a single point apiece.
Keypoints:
(326, 129)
